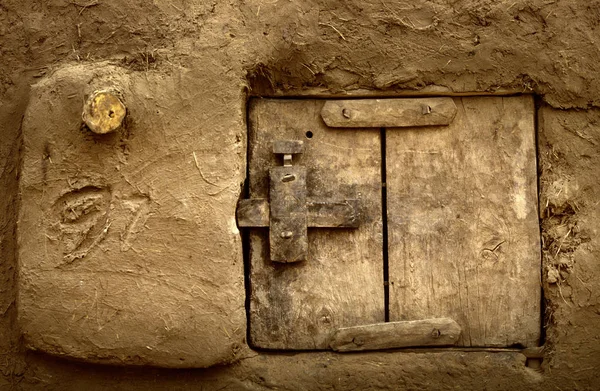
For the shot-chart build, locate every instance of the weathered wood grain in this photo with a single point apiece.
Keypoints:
(426, 332)
(377, 113)
(299, 305)
(324, 214)
(462, 221)
(288, 147)
(253, 213)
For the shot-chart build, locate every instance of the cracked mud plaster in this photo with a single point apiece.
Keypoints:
(114, 261)
(190, 62)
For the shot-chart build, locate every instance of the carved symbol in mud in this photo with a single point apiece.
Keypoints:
(138, 207)
(82, 220)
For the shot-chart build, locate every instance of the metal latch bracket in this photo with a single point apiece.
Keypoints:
(289, 213)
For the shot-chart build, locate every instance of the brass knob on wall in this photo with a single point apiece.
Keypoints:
(104, 111)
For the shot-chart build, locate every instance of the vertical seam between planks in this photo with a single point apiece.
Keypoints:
(384, 223)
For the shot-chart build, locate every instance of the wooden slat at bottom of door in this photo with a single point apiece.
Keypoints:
(391, 335)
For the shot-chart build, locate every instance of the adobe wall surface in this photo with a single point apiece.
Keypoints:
(195, 64)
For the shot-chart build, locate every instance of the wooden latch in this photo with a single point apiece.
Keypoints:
(384, 113)
(288, 213)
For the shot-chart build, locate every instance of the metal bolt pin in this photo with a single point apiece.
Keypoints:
(358, 341)
(288, 178)
(287, 234)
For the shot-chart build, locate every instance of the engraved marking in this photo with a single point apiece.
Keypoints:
(82, 216)
(140, 207)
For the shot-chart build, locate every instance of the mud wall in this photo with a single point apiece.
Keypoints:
(235, 50)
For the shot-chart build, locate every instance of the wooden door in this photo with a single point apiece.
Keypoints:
(298, 305)
(461, 214)
(463, 223)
